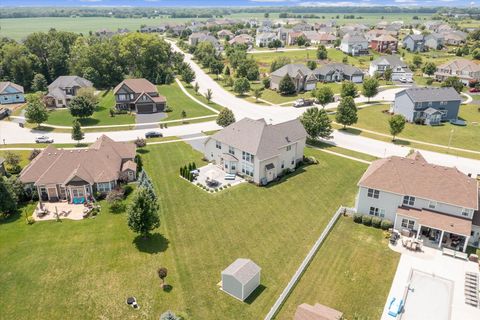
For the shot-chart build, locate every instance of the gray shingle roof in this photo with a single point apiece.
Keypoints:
(393, 61)
(260, 139)
(292, 70)
(332, 67)
(433, 94)
(415, 37)
(69, 82)
(242, 269)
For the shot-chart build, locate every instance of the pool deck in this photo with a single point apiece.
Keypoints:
(432, 261)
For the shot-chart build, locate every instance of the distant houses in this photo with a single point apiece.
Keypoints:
(464, 69)
(336, 72)
(255, 149)
(429, 106)
(414, 42)
(302, 77)
(11, 93)
(399, 68)
(139, 95)
(64, 89)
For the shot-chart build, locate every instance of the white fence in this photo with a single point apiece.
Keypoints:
(298, 274)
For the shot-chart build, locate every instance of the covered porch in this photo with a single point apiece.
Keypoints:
(437, 230)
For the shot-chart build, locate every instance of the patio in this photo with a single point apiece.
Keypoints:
(48, 211)
(213, 177)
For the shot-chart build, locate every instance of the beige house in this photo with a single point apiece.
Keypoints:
(256, 149)
(75, 175)
(303, 78)
(464, 69)
(139, 95)
(64, 89)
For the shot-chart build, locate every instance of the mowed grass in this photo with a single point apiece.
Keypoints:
(467, 137)
(352, 272)
(101, 116)
(86, 269)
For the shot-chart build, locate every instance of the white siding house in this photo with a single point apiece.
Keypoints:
(256, 149)
(241, 278)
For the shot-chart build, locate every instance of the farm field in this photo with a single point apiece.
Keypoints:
(100, 261)
(372, 118)
(351, 272)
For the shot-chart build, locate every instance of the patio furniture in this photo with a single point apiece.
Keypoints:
(448, 252)
(229, 176)
(132, 301)
(461, 255)
(395, 307)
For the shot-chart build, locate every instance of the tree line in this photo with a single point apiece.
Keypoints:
(102, 60)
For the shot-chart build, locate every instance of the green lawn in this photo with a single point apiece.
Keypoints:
(86, 269)
(372, 118)
(352, 272)
(101, 116)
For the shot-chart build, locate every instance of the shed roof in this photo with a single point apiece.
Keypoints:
(242, 269)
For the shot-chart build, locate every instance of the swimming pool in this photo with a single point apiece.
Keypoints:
(428, 297)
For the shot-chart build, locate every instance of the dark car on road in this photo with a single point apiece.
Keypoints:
(153, 134)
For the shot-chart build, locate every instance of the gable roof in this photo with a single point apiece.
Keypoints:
(137, 85)
(385, 37)
(332, 67)
(101, 162)
(461, 65)
(242, 269)
(292, 70)
(5, 84)
(414, 37)
(353, 38)
(433, 94)
(69, 82)
(416, 177)
(259, 138)
(391, 60)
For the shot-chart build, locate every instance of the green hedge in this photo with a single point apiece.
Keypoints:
(367, 220)
(386, 224)
(376, 222)
(357, 218)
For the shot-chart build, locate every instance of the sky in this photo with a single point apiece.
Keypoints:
(223, 3)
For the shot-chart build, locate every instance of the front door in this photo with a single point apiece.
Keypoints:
(270, 175)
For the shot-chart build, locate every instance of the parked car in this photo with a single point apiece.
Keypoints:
(403, 80)
(153, 134)
(473, 90)
(43, 139)
(303, 102)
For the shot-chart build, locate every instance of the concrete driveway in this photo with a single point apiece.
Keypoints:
(196, 144)
(148, 118)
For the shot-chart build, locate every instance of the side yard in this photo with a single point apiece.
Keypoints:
(352, 272)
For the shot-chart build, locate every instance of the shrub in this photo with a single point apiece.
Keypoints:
(140, 142)
(266, 82)
(127, 189)
(376, 221)
(386, 224)
(367, 220)
(30, 220)
(429, 81)
(357, 218)
(34, 154)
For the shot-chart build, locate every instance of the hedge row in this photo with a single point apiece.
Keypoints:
(376, 222)
(186, 171)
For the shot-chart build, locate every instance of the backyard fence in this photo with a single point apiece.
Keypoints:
(298, 274)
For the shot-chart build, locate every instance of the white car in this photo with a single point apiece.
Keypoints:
(403, 80)
(43, 139)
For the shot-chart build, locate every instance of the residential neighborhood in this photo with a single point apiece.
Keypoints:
(247, 160)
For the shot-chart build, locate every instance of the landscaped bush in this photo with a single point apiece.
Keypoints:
(376, 221)
(33, 154)
(386, 224)
(310, 160)
(140, 142)
(429, 81)
(357, 217)
(367, 220)
(127, 189)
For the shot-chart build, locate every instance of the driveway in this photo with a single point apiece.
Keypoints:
(196, 144)
(148, 118)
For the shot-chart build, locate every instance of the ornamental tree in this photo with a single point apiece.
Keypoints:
(286, 85)
(225, 117)
(143, 212)
(81, 107)
(346, 112)
(370, 88)
(316, 123)
(396, 123)
(324, 95)
(241, 85)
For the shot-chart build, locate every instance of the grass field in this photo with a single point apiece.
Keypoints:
(352, 272)
(372, 118)
(86, 269)
(19, 28)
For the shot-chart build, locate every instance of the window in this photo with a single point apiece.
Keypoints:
(283, 164)
(289, 148)
(467, 212)
(377, 212)
(231, 150)
(409, 200)
(407, 223)
(103, 187)
(372, 193)
(218, 145)
(247, 169)
(432, 204)
(247, 156)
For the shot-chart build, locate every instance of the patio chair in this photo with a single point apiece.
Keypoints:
(132, 301)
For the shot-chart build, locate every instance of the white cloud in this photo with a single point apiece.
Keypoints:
(334, 4)
(268, 0)
(405, 1)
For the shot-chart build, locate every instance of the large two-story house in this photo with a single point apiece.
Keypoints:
(256, 149)
(414, 42)
(399, 68)
(303, 78)
(354, 44)
(139, 95)
(64, 89)
(428, 105)
(464, 69)
(11, 93)
(384, 43)
(75, 175)
(437, 204)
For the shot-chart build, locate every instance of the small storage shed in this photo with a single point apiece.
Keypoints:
(241, 278)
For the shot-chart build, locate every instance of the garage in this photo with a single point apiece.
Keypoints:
(145, 108)
(357, 79)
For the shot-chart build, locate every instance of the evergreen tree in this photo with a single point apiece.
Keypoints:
(143, 212)
(286, 85)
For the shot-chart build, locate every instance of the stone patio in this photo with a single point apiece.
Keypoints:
(212, 172)
(65, 211)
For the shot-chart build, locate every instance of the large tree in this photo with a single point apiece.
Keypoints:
(241, 85)
(370, 87)
(143, 212)
(324, 95)
(36, 112)
(429, 68)
(81, 107)
(279, 62)
(348, 89)
(316, 123)
(248, 69)
(286, 85)
(225, 117)
(187, 73)
(346, 112)
(396, 124)
(453, 82)
(17, 64)
(322, 53)
(39, 83)
(8, 197)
